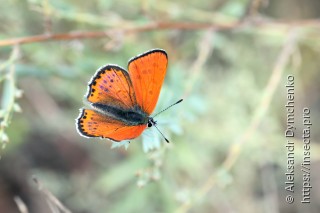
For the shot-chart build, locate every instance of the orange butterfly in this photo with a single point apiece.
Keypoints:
(122, 102)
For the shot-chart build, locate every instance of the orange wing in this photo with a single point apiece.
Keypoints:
(147, 72)
(111, 84)
(94, 124)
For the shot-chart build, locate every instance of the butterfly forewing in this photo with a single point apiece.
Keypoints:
(112, 85)
(147, 73)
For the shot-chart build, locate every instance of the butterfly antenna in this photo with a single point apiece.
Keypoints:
(167, 108)
(161, 133)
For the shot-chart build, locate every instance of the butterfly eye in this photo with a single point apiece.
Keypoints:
(151, 122)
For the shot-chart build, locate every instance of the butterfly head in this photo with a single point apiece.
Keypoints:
(151, 122)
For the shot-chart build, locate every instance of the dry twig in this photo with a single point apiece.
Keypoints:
(52, 200)
(156, 26)
(21, 205)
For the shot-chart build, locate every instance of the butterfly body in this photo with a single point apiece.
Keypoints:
(131, 117)
(122, 102)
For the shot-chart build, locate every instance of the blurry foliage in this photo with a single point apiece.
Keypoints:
(220, 75)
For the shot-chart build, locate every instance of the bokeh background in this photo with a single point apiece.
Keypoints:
(229, 60)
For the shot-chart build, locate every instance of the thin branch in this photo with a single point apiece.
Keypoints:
(205, 49)
(21, 205)
(50, 197)
(259, 113)
(9, 95)
(110, 32)
(159, 26)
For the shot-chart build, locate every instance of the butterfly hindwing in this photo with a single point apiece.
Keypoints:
(91, 123)
(147, 72)
(112, 84)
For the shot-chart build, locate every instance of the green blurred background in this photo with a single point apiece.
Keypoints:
(227, 150)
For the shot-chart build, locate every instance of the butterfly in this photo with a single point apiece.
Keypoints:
(122, 102)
